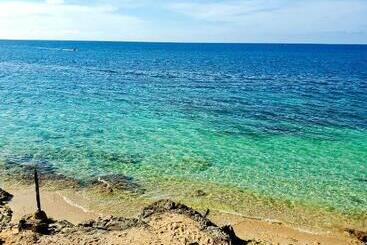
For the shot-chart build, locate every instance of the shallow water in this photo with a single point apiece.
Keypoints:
(283, 121)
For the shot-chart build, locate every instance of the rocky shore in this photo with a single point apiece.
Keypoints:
(163, 222)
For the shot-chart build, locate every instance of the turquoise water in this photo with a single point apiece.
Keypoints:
(284, 121)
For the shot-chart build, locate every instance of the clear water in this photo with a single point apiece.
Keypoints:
(284, 121)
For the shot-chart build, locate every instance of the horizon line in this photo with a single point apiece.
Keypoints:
(181, 42)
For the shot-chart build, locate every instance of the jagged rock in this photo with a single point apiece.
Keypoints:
(111, 223)
(220, 235)
(117, 182)
(37, 222)
(168, 205)
(360, 235)
(232, 235)
(5, 212)
(6, 215)
(61, 226)
(5, 196)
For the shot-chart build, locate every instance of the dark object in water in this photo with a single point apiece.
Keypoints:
(121, 158)
(362, 179)
(22, 168)
(117, 182)
(24, 165)
(200, 193)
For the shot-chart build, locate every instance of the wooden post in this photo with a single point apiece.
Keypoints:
(37, 191)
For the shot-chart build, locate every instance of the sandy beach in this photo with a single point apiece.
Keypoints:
(165, 228)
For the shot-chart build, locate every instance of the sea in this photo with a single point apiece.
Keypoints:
(282, 122)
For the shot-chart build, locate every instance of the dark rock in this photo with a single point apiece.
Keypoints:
(5, 196)
(6, 215)
(40, 215)
(232, 235)
(60, 226)
(360, 235)
(118, 182)
(23, 167)
(200, 193)
(37, 222)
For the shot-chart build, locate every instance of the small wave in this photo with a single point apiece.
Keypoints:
(71, 203)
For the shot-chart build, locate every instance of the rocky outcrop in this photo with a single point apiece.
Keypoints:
(5, 217)
(5, 212)
(150, 221)
(220, 235)
(173, 222)
(37, 222)
(5, 196)
(360, 235)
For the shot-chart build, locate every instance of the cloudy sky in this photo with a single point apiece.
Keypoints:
(305, 21)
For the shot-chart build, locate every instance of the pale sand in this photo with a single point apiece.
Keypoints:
(58, 205)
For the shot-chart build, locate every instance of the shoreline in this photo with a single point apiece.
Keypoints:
(61, 204)
(105, 193)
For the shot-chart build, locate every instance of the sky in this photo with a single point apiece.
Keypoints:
(239, 21)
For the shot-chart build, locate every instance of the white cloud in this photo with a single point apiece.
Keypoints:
(54, 1)
(223, 11)
(54, 19)
(281, 21)
(339, 21)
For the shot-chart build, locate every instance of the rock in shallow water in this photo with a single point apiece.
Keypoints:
(22, 168)
(118, 182)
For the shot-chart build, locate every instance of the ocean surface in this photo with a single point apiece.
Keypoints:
(283, 121)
